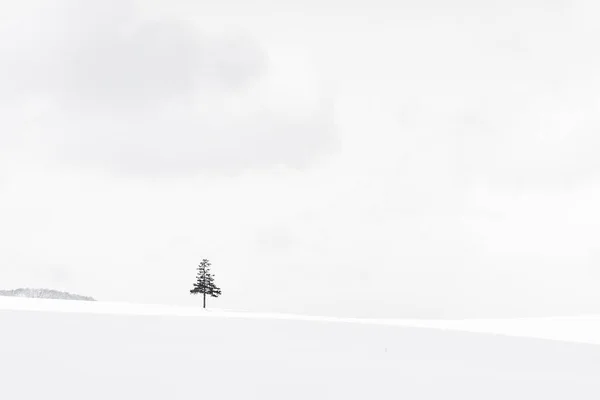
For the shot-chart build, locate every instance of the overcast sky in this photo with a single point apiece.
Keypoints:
(367, 158)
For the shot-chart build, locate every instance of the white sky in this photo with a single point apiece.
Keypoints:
(402, 159)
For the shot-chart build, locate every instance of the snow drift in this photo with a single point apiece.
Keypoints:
(53, 349)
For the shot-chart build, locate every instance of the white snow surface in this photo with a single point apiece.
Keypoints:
(58, 349)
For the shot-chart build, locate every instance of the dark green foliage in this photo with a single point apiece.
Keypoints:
(205, 282)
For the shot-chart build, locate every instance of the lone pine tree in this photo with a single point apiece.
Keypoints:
(205, 282)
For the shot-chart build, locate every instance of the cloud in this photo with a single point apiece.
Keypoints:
(101, 86)
(511, 103)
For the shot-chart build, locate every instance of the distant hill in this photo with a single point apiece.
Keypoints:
(44, 294)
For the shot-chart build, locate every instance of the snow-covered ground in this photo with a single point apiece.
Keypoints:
(58, 349)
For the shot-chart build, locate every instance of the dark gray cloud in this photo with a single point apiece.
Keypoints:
(109, 88)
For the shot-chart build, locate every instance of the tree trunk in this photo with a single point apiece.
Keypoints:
(204, 282)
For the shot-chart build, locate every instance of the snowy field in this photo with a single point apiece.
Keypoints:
(66, 350)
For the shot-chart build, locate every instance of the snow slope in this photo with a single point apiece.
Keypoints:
(77, 350)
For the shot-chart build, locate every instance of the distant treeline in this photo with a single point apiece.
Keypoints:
(44, 294)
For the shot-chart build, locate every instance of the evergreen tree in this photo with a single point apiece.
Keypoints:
(205, 282)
